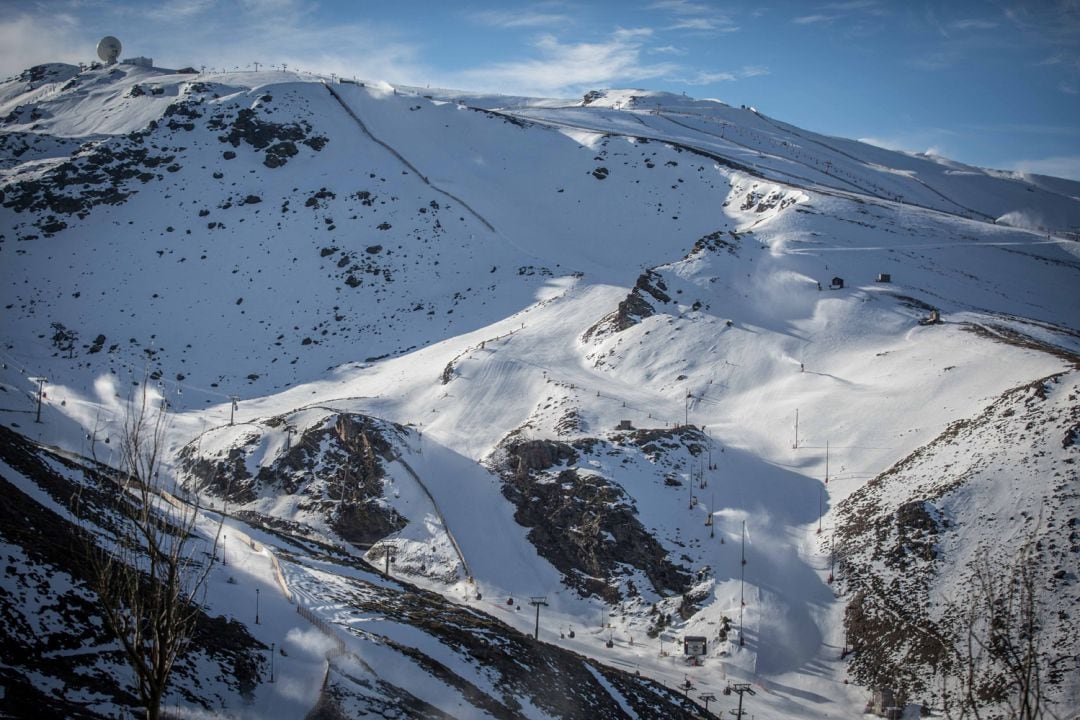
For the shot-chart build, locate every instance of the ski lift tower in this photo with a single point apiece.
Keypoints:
(739, 688)
(537, 602)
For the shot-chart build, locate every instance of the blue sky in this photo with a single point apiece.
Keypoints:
(990, 83)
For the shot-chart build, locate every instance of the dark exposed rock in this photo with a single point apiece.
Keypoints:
(347, 452)
(633, 309)
(277, 139)
(585, 525)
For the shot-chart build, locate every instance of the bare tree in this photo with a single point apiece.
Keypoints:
(999, 670)
(148, 564)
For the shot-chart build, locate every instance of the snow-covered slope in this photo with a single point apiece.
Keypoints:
(413, 321)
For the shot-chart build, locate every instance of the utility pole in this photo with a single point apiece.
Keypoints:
(686, 409)
(537, 602)
(271, 662)
(387, 556)
(742, 582)
(709, 444)
(739, 688)
(832, 556)
(712, 519)
(257, 606)
(224, 555)
(820, 505)
(256, 64)
(233, 399)
(40, 394)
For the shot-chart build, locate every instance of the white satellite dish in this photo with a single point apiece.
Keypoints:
(108, 49)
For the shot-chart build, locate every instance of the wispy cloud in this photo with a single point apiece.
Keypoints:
(519, 19)
(26, 40)
(695, 17)
(828, 13)
(924, 141)
(702, 77)
(568, 67)
(1063, 166)
(871, 5)
(267, 31)
(667, 50)
(934, 60)
(813, 19)
(973, 24)
(681, 7)
(722, 25)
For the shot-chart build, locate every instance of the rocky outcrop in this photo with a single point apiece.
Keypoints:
(336, 466)
(580, 521)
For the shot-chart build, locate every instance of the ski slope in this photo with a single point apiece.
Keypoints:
(447, 262)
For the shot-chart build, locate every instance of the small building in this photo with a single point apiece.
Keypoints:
(138, 61)
(695, 645)
(884, 277)
(837, 283)
(624, 425)
(881, 702)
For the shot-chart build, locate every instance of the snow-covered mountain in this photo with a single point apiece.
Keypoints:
(598, 350)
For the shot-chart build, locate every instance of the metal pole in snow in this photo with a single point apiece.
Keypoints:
(820, 500)
(742, 581)
(796, 445)
(257, 606)
(40, 394)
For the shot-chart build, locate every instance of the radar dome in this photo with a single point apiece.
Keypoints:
(108, 49)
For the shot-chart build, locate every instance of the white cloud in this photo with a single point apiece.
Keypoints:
(510, 19)
(267, 31)
(1063, 166)
(696, 17)
(26, 41)
(681, 7)
(852, 5)
(718, 24)
(566, 67)
(812, 19)
(708, 78)
(937, 60)
(973, 24)
(927, 141)
(667, 50)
